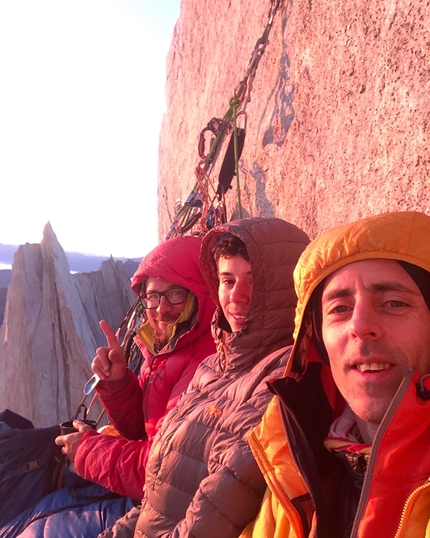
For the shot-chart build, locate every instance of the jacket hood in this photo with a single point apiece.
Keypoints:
(273, 246)
(177, 260)
(398, 236)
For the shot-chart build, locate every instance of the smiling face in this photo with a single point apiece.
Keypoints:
(375, 326)
(235, 290)
(161, 317)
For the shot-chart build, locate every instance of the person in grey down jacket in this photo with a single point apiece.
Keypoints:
(201, 478)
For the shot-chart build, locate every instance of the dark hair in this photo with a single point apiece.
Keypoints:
(421, 277)
(315, 304)
(227, 246)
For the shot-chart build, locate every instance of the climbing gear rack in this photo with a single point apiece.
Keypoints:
(205, 204)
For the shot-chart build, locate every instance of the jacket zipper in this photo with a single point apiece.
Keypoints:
(406, 508)
(375, 448)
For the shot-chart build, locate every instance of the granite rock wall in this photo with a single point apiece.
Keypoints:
(338, 122)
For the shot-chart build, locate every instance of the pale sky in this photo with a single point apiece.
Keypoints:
(81, 100)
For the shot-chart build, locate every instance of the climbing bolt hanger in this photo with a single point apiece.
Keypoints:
(205, 204)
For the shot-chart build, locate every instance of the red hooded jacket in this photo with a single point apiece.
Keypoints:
(137, 406)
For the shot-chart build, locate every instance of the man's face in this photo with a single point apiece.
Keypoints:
(375, 326)
(159, 318)
(235, 290)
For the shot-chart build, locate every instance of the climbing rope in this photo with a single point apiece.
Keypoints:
(205, 204)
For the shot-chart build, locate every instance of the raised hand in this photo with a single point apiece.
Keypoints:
(109, 363)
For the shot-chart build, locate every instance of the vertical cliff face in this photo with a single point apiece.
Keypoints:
(338, 123)
(50, 331)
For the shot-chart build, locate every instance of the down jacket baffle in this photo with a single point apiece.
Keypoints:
(137, 405)
(202, 480)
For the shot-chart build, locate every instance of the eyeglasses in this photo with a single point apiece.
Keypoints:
(173, 296)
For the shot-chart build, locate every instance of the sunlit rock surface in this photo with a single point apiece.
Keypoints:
(50, 331)
(339, 117)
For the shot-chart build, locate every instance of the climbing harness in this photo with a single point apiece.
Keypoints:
(205, 204)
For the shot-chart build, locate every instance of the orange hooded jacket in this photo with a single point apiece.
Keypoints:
(395, 498)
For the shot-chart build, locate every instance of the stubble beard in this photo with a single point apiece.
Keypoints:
(160, 339)
(370, 401)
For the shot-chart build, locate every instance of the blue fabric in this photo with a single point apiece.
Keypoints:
(77, 514)
(27, 463)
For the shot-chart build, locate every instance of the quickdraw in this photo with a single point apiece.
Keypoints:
(205, 204)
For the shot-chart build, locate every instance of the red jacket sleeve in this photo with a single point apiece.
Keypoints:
(115, 463)
(122, 401)
(119, 463)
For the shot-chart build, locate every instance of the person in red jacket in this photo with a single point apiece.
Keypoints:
(174, 339)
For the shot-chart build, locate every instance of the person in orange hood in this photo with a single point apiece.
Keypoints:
(344, 443)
